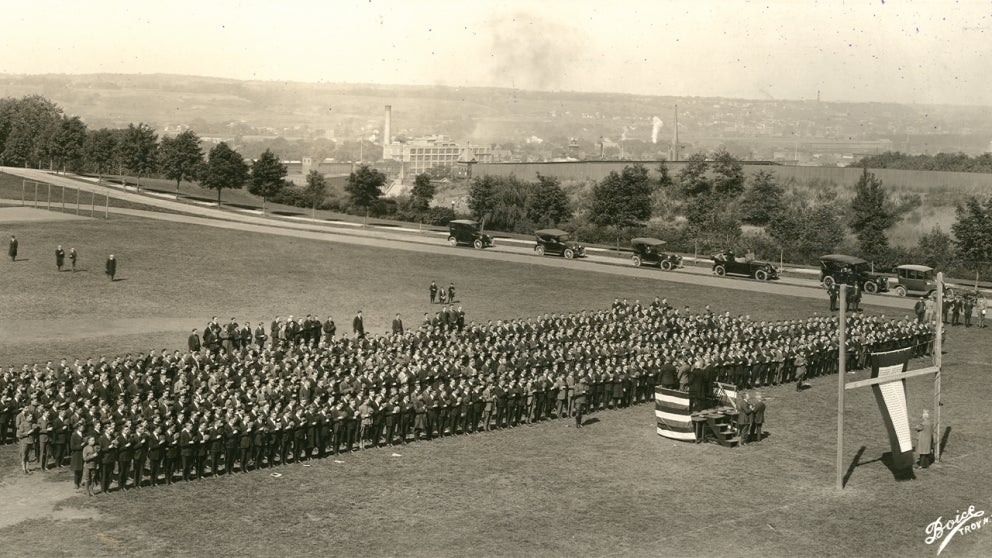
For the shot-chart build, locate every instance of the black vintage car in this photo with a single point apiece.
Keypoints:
(648, 251)
(838, 268)
(559, 243)
(463, 231)
(726, 263)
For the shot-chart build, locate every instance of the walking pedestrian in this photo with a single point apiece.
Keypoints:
(72, 259)
(111, 267)
(59, 257)
(12, 248)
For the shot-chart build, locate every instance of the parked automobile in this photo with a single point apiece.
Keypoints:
(649, 251)
(838, 268)
(464, 231)
(918, 279)
(558, 243)
(726, 263)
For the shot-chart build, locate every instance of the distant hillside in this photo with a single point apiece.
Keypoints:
(225, 107)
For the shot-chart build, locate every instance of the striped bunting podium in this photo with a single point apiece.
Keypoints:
(671, 408)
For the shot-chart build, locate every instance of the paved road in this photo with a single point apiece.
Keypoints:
(431, 242)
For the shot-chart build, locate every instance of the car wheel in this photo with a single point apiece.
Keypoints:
(828, 282)
(539, 250)
(452, 241)
(761, 275)
(871, 287)
(569, 254)
(901, 291)
(719, 270)
(666, 265)
(477, 244)
(636, 261)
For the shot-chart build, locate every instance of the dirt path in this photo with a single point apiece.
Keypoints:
(27, 497)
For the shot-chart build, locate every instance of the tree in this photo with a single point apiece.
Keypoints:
(315, 190)
(29, 125)
(100, 149)
(136, 150)
(365, 186)
(482, 196)
(936, 249)
(179, 157)
(871, 215)
(693, 177)
(728, 179)
(665, 180)
(806, 233)
(548, 204)
(973, 230)
(423, 191)
(763, 200)
(622, 200)
(67, 143)
(225, 169)
(268, 176)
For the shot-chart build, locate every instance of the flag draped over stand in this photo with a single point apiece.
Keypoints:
(671, 409)
(891, 398)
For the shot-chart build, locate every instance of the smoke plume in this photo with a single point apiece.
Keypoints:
(655, 128)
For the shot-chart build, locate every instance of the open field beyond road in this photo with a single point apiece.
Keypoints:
(613, 488)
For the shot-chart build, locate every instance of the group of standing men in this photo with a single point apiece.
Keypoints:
(110, 266)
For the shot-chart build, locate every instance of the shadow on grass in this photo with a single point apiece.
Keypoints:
(943, 440)
(587, 422)
(903, 474)
(243, 206)
(854, 465)
(286, 213)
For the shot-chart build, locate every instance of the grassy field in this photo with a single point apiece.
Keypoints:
(613, 488)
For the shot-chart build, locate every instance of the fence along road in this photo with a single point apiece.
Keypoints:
(428, 242)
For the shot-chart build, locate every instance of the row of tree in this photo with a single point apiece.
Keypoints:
(956, 162)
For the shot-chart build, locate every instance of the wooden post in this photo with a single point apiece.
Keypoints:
(77, 200)
(938, 346)
(23, 187)
(841, 379)
(36, 195)
(106, 208)
(49, 197)
(92, 204)
(63, 199)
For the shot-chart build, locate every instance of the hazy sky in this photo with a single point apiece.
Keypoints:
(920, 51)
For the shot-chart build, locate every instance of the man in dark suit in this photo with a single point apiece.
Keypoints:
(397, 325)
(329, 329)
(111, 267)
(59, 257)
(76, 443)
(358, 325)
(579, 401)
(669, 377)
(758, 418)
(12, 249)
(25, 429)
(193, 342)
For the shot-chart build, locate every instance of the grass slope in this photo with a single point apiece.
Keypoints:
(613, 488)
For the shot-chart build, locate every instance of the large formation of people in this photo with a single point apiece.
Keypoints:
(242, 398)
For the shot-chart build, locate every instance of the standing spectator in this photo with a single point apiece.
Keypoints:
(930, 307)
(72, 259)
(329, 329)
(745, 412)
(920, 308)
(111, 267)
(397, 325)
(433, 287)
(443, 295)
(832, 293)
(955, 311)
(451, 293)
(968, 307)
(193, 342)
(759, 418)
(89, 464)
(945, 307)
(12, 249)
(579, 401)
(358, 325)
(59, 257)
(76, 444)
(982, 309)
(25, 436)
(924, 441)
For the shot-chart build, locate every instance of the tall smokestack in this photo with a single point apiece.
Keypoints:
(386, 137)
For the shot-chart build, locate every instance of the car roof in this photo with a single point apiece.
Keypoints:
(550, 232)
(463, 222)
(842, 259)
(648, 241)
(915, 267)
